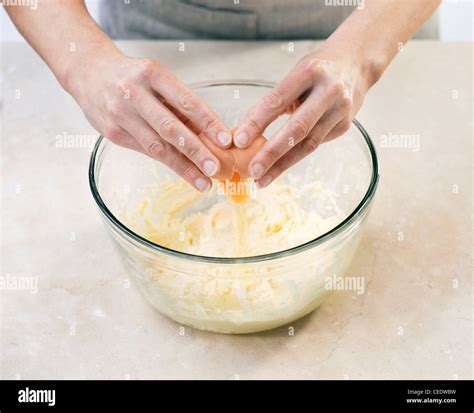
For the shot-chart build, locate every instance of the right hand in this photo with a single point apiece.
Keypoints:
(141, 105)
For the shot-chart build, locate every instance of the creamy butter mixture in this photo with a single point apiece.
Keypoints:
(235, 298)
(271, 220)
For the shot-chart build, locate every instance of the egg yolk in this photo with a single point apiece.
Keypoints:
(240, 194)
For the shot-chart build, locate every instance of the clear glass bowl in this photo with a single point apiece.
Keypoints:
(252, 293)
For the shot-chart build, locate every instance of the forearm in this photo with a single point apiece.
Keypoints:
(62, 33)
(373, 34)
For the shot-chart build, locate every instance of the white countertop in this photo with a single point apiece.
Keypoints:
(413, 322)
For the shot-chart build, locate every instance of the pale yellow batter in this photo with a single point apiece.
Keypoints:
(238, 297)
(271, 220)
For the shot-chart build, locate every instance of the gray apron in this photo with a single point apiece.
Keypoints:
(228, 19)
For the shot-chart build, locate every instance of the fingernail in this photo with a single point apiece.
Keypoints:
(261, 183)
(241, 139)
(209, 167)
(257, 170)
(224, 138)
(202, 184)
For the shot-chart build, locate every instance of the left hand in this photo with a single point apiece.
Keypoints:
(327, 88)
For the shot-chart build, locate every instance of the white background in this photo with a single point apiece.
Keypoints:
(455, 19)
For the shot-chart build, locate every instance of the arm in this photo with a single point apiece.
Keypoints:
(328, 85)
(63, 33)
(136, 103)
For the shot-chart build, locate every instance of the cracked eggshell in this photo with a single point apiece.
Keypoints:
(225, 156)
(244, 156)
(233, 158)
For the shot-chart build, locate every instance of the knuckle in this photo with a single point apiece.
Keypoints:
(151, 113)
(114, 133)
(184, 169)
(114, 107)
(298, 127)
(281, 166)
(168, 127)
(210, 123)
(337, 88)
(310, 144)
(313, 68)
(193, 152)
(145, 68)
(345, 105)
(156, 149)
(271, 154)
(345, 125)
(125, 86)
(273, 101)
(188, 101)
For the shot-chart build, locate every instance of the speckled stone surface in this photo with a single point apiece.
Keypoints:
(84, 320)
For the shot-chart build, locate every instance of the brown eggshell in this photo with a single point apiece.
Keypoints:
(244, 156)
(225, 156)
(233, 158)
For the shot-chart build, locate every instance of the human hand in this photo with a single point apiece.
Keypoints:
(234, 159)
(323, 92)
(141, 105)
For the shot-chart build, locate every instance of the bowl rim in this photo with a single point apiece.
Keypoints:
(344, 224)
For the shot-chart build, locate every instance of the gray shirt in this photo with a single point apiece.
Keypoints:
(229, 19)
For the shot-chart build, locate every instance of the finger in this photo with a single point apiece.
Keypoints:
(295, 129)
(342, 127)
(173, 131)
(275, 103)
(157, 148)
(121, 137)
(304, 148)
(188, 103)
(187, 122)
(293, 106)
(178, 114)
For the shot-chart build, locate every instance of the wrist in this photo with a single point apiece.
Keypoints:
(369, 50)
(371, 67)
(365, 65)
(78, 66)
